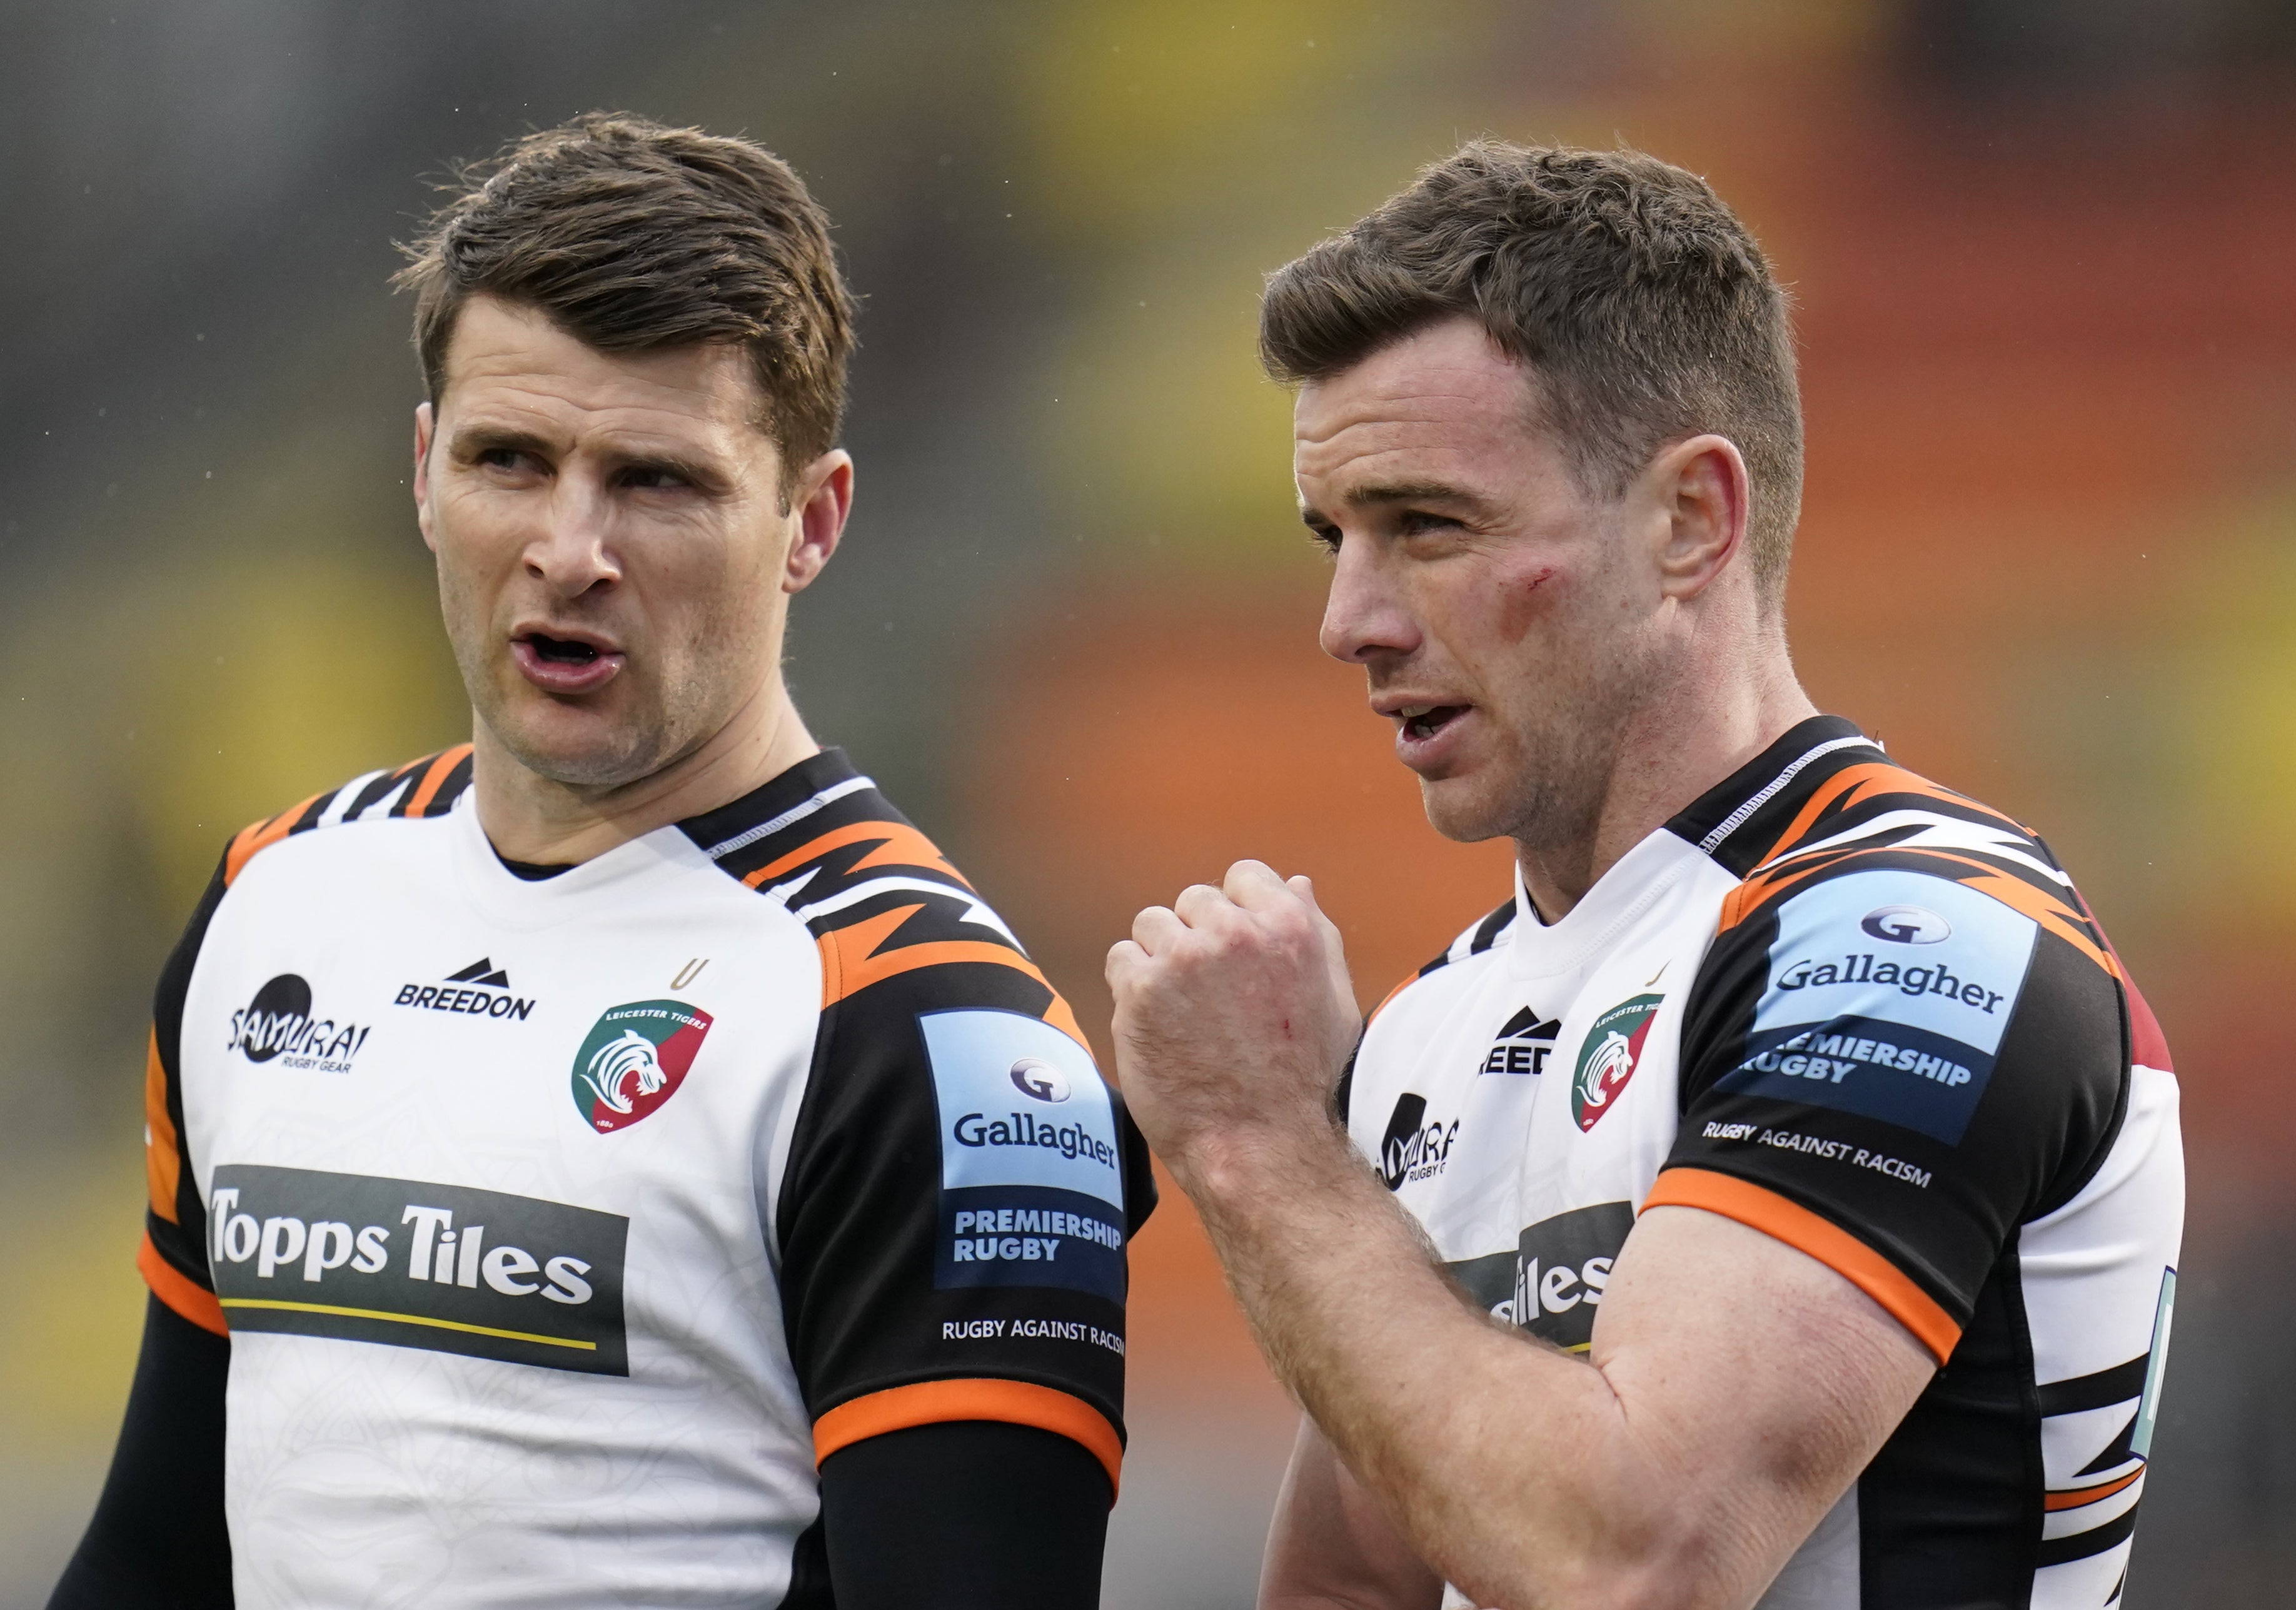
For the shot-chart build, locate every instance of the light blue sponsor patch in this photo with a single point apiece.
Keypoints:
(1888, 995)
(1021, 1104)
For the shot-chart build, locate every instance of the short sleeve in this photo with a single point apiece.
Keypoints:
(954, 1214)
(1892, 1069)
(173, 1258)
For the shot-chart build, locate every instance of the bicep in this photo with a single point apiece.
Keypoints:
(1330, 1545)
(1760, 1379)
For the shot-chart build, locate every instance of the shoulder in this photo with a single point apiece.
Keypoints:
(1896, 950)
(1872, 834)
(422, 788)
(882, 901)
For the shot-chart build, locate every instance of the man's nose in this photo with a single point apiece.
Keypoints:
(573, 552)
(1364, 617)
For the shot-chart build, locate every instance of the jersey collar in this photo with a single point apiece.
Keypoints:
(1738, 819)
(1731, 823)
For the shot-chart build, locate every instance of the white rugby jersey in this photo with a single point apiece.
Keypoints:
(561, 1226)
(1873, 1019)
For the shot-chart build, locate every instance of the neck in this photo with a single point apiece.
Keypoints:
(1705, 724)
(530, 817)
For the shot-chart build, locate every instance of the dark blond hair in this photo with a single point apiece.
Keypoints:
(1639, 302)
(630, 236)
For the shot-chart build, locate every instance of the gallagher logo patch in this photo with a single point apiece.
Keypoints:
(634, 1059)
(1031, 1177)
(1607, 1059)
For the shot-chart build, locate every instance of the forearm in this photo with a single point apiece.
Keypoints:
(1437, 1408)
(1330, 1546)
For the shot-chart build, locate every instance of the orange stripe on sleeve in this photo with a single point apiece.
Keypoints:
(898, 844)
(1853, 785)
(936, 1402)
(2075, 1496)
(427, 790)
(1765, 1210)
(187, 1297)
(259, 835)
(851, 962)
(162, 1164)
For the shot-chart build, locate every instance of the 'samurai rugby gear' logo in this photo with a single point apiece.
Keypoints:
(279, 1022)
(1607, 1060)
(634, 1060)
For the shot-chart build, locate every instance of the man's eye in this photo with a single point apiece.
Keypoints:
(1324, 537)
(651, 480)
(1418, 522)
(501, 458)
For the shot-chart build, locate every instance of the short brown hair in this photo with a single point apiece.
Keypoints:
(1640, 302)
(630, 236)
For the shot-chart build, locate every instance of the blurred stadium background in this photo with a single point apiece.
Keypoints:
(2043, 250)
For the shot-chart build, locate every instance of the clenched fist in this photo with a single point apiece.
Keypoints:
(1234, 1017)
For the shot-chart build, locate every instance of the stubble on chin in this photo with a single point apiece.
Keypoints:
(593, 755)
(1551, 796)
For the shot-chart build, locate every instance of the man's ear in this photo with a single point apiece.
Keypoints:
(1700, 486)
(425, 421)
(823, 498)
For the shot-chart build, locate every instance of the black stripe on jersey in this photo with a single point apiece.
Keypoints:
(380, 787)
(2083, 1545)
(2101, 1390)
(1488, 931)
(786, 795)
(450, 788)
(184, 1243)
(833, 874)
(900, 858)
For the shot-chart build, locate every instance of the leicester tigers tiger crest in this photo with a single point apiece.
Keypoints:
(634, 1059)
(1607, 1059)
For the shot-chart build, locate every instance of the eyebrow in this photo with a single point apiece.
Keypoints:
(1387, 493)
(482, 438)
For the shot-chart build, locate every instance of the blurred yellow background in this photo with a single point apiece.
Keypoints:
(2042, 253)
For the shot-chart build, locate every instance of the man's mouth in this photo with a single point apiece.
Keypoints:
(562, 651)
(565, 665)
(1422, 722)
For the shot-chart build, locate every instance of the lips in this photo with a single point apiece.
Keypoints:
(567, 663)
(1425, 731)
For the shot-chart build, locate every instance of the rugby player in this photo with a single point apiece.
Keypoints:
(1778, 1198)
(619, 1161)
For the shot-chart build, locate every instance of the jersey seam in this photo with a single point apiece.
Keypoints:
(1739, 817)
